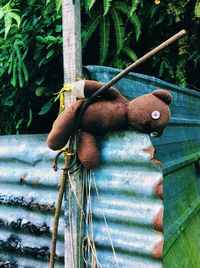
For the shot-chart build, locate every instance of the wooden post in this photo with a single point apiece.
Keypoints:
(72, 69)
(71, 44)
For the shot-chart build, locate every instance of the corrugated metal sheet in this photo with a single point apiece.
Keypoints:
(179, 151)
(124, 204)
(28, 192)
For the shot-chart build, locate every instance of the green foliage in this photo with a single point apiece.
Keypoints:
(9, 15)
(104, 37)
(30, 63)
(106, 6)
(110, 19)
(135, 27)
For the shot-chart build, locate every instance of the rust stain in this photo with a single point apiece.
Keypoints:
(150, 150)
(158, 221)
(22, 178)
(157, 250)
(156, 162)
(158, 189)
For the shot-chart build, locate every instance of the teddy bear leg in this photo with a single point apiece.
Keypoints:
(63, 127)
(88, 152)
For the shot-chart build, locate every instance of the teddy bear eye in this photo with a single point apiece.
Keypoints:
(155, 115)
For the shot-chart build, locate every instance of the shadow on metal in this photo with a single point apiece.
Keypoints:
(28, 192)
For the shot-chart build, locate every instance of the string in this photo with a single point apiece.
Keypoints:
(107, 228)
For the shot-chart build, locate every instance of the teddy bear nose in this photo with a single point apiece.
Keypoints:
(155, 115)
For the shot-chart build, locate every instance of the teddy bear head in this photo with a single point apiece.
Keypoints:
(150, 113)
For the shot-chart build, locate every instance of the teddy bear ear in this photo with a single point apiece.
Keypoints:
(163, 95)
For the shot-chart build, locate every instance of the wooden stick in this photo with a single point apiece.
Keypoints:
(127, 70)
(56, 218)
(147, 56)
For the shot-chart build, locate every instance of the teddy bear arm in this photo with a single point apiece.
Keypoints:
(114, 94)
(63, 127)
(111, 94)
(88, 152)
(86, 88)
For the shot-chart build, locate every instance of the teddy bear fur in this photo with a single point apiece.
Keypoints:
(111, 112)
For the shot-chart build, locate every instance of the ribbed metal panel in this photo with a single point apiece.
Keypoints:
(179, 151)
(28, 192)
(124, 204)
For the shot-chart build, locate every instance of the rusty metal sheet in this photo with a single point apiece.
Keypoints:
(28, 192)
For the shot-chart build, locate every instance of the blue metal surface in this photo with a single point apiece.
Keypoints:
(179, 151)
(123, 200)
(124, 203)
(28, 192)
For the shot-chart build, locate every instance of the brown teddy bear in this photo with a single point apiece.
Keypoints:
(111, 112)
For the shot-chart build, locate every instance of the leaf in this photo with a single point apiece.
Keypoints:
(24, 55)
(20, 77)
(90, 28)
(16, 17)
(90, 3)
(40, 91)
(58, 28)
(153, 9)
(8, 24)
(119, 29)
(58, 5)
(50, 54)
(50, 38)
(160, 20)
(14, 77)
(197, 9)
(9, 102)
(133, 19)
(134, 6)
(1, 13)
(11, 62)
(39, 80)
(26, 75)
(104, 38)
(18, 53)
(106, 6)
(130, 53)
(6, 8)
(48, 1)
(45, 108)
(40, 38)
(19, 123)
(41, 62)
(30, 117)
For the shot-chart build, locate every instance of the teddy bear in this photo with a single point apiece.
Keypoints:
(111, 111)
